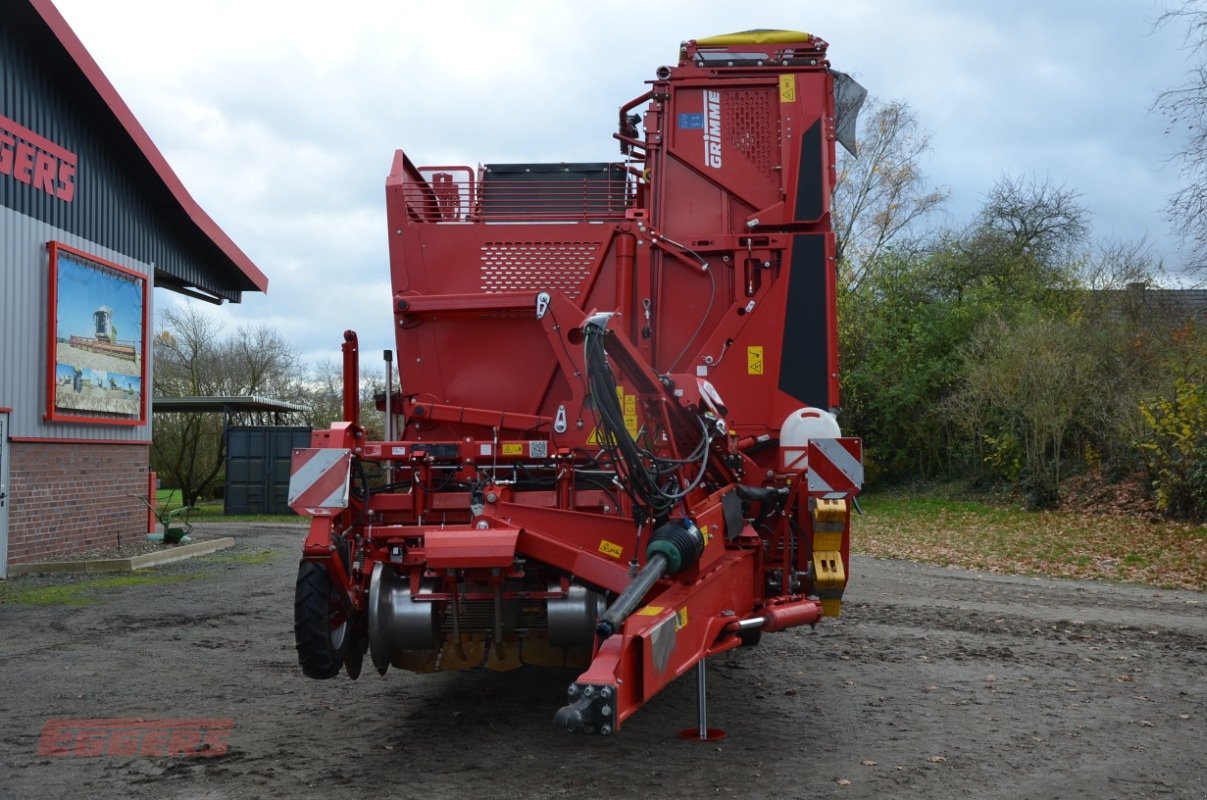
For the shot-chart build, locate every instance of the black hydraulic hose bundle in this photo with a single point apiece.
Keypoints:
(652, 482)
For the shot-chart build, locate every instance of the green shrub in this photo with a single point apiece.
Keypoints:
(1175, 453)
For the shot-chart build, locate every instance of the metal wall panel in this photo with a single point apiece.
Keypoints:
(24, 294)
(257, 468)
(119, 202)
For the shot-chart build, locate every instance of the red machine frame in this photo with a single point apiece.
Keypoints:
(587, 460)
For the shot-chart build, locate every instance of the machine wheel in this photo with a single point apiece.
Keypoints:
(320, 627)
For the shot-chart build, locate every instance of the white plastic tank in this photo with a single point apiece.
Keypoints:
(798, 428)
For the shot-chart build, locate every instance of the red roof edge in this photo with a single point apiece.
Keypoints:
(75, 48)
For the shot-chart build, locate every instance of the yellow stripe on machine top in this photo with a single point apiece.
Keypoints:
(757, 37)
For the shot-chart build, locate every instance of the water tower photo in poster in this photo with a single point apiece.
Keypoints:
(97, 341)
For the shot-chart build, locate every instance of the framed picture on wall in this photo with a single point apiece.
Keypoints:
(97, 370)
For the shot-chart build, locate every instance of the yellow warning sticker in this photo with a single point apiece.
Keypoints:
(610, 549)
(754, 359)
(650, 611)
(681, 619)
(513, 449)
(787, 88)
(628, 407)
(705, 534)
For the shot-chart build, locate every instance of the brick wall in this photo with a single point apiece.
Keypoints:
(70, 497)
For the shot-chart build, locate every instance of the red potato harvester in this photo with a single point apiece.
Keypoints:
(613, 443)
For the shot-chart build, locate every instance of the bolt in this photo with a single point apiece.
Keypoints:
(605, 692)
(606, 730)
(605, 710)
(491, 497)
(573, 690)
(588, 691)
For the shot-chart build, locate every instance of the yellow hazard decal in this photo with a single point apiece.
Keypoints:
(610, 549)
(628, 404)
(754, 359)
(787, 88)
(515, 449)
(628, 407)
(650, 611)
(704, 532)
(681, 619)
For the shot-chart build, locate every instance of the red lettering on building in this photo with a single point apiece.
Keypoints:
(35, 160)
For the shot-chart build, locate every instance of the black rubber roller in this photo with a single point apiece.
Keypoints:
(679, 542)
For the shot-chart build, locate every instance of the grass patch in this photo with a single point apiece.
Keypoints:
(214, 511)
(975, 535)
(81, 591)
(250, 559)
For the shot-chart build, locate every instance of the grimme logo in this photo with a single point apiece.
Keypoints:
(37, 161)
(712, 129)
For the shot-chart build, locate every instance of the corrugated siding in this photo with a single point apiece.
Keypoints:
(24, 294)
(120, 201)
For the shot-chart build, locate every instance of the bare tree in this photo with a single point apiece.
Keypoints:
(1037, 217)
(194, 359)
(881, 193)
(1185, 107)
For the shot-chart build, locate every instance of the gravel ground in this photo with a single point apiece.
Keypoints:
(936, 683)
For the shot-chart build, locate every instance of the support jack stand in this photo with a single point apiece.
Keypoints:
(702, 733)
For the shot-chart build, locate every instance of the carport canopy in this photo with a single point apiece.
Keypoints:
(227, 406)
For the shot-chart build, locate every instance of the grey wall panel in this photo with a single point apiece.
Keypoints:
(119, 200)
(24, 294)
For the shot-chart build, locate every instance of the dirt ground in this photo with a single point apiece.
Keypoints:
(936, 683)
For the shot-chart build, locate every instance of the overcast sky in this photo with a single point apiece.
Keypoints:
(281, 117)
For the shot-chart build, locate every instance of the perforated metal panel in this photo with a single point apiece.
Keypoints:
(751, 120)
(537, 266)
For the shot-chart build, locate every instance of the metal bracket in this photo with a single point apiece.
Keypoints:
(542, 304)
(559, 421)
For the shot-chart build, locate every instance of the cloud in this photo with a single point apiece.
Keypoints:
(281, 117)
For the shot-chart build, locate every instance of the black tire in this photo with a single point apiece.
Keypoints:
(321, 629)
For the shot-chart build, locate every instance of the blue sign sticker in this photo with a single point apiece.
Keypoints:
(689, 121)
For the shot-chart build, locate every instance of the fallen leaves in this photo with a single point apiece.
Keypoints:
(1057, 543)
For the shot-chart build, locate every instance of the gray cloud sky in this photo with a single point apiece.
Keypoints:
(281, 117)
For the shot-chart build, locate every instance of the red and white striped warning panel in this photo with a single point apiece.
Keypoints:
(318, 480)
(835, 467)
